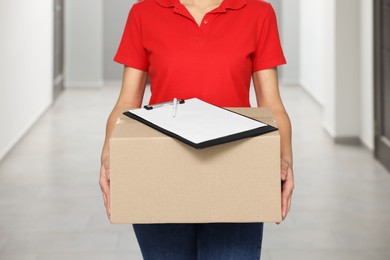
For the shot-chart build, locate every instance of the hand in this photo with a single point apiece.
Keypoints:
(287, 177)
(104, 182)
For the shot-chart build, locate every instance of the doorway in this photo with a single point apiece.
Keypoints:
(382, 81)
(58, 62)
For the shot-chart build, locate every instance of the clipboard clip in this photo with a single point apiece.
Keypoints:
(151, 107)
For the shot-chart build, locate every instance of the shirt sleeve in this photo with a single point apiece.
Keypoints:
(131, 51)
(268, 53)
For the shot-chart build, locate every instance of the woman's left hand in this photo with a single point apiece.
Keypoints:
(287, 177)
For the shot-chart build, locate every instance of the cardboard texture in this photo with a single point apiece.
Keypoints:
(157, 179)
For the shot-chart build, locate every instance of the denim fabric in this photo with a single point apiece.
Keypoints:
(211, 241)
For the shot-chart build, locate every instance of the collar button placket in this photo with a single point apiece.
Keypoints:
(204, 26)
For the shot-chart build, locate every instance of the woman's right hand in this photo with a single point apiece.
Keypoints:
(131, 95)
(104, 182)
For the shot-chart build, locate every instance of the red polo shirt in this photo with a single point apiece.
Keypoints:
(214, 61)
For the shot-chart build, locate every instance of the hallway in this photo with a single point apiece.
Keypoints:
(51, 204)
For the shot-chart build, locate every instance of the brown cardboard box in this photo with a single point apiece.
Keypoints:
(158, 179)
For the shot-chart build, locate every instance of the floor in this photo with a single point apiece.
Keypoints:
(51, 206)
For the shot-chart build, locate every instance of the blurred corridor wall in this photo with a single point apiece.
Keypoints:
(115, 15)
(317, 45)
(337, 65)
(289, 22)
(93, 30)
(83, 43)
(277, 5)
(26, 51)
(367, 73)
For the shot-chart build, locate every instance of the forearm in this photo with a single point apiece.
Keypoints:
(109, 129)
(130, 97)
(284, 125)
(267, 95)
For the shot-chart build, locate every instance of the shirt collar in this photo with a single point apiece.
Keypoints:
(167, 3)
(226, 4)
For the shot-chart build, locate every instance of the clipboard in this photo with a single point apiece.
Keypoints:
(198, 123)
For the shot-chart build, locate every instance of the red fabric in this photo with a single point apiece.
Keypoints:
(213, 62)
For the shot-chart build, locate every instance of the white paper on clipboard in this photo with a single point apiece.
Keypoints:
(198, 121)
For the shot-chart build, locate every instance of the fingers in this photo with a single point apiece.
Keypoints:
(284, 169)
(289, 205)
(285, 198)
(106, 196)
(106, 165)
(107, 205)
(287, 190)
(104, 183)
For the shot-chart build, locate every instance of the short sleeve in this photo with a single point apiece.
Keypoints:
(131, 51)
(268, 53)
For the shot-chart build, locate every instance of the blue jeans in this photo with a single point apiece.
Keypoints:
(211, 241)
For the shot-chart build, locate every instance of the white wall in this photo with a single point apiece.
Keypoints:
(347, 69)
(277, 5)
(93, 29)
(328, 86)
(115, 16)
(367, 73)
(26, 51)
(316, 46)
(83, 43)
(337, 65)
(290, 36)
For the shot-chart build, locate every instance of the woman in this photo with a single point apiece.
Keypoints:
(209, 49)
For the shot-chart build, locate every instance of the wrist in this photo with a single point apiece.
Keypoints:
(105, 155)
(288, 161)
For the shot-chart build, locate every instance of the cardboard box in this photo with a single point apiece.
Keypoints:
(158, 179)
